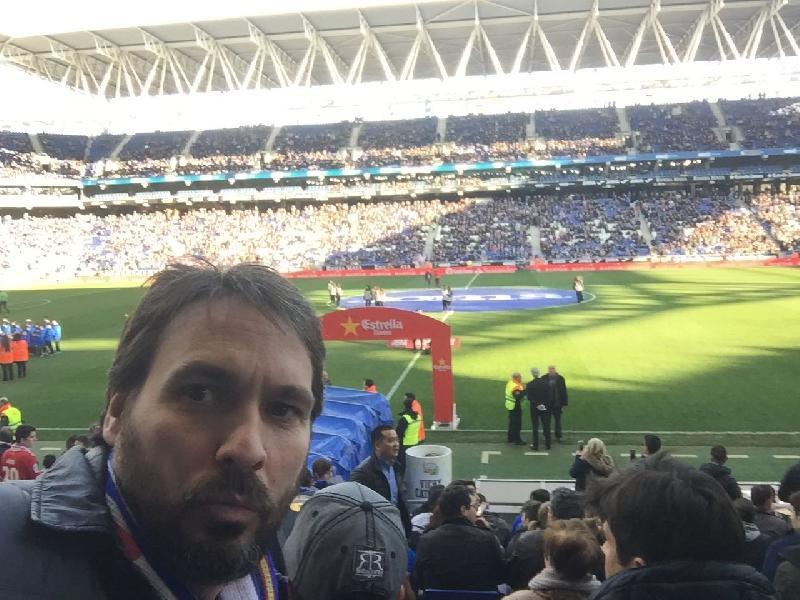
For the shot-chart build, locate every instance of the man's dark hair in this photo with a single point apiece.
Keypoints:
(377, 434)
(745, 509)
(453, 499)
(411, 395)
(794, 500)
(304, 479)
(530, 510)
(369, 382)
(23, 432)
(541, 495)
(70, 441)
(6, 435)
(652, 443)
(320, 466)
(761, 494)
(719, 454)
(48, 460)
(566, 504)
(181, 285)
(668, 511)
(468, 483)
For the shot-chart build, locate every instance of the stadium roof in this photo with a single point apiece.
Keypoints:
(237, 44)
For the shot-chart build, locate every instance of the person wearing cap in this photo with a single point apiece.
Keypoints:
(540, 409)
(408, 426)
(381, 471)
(348, 543)
(12, 413)
(462, 553)
(514, 392)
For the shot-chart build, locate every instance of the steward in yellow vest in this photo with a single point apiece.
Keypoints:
(514, 393)
(408, 426)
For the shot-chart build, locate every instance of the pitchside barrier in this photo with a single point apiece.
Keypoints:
(665, 262)
(507, 496)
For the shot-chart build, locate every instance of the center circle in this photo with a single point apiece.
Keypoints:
(477, 299)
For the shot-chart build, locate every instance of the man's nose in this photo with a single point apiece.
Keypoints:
(243, 445)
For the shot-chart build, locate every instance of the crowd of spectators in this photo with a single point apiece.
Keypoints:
(487, 129)
(781, 214)
(470, 138)
(764, 122)
(486, 229)
(569, 227)
(585, 227)
(715, 224)
(675, 127)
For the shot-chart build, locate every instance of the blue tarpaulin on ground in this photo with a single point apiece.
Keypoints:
(338, 448)
(347, 428)
(341, 433)
(358, 412)
(376, 402)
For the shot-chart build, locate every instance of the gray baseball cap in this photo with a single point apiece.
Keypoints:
(347, 539)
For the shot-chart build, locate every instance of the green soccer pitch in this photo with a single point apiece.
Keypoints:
(673, 351)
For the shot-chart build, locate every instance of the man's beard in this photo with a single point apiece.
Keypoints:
(192, 547)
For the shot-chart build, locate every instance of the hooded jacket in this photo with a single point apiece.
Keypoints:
(723, 476)
(687, 580)
(57, 540)
(787, 577)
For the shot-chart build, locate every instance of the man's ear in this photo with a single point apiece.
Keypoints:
(112, 420)
(636, 562)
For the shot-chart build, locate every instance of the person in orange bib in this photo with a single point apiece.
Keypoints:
(6, 358)
(19, 348)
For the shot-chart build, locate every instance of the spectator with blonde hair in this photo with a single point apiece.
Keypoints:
(571, 556)
(592, 462)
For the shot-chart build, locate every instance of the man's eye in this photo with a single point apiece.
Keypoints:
(282, 410)
(199, 393)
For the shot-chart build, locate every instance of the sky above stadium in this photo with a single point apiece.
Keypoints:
(56, 16)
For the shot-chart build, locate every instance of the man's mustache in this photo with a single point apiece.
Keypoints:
(232, 485)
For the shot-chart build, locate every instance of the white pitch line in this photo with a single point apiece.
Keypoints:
(410, 366)
(50, 448)
(787, 456)
(684, 455)
(537, 454)
(738, 456)
(471, 281)
(487, 453)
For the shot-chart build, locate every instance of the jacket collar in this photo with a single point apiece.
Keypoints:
(70, 495)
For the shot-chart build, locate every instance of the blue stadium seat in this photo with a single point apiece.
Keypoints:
(459, 595)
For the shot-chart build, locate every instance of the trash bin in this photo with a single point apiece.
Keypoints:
(426, 465)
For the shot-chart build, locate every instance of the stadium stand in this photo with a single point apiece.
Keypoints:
(765, 122)
(487, 129)
(675, 127)
(68, 147)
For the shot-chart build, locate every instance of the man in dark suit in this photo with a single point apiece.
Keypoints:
(540, 409)
(382, 473)
(556, 392)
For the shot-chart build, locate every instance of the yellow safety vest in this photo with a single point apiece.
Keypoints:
(411, 435)
(14, 417)
(511, 387)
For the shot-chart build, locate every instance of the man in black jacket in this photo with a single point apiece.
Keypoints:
(717, 469)
(790, 483)
(540, 409)
(460, 554)
(672, 533)
(556, 391)
(382, 473)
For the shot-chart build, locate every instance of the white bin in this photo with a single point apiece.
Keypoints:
(426, 465)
